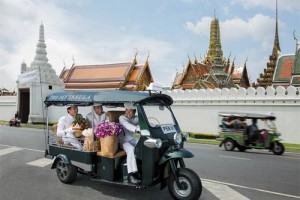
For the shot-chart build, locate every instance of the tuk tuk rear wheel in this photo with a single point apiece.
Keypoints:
(278, 148)
(190, 183)
(229, 145)
(66, 173)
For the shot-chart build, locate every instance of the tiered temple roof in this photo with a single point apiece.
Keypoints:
(282, 69)
(266, 78)
(116, 76)
(214, 71)
(287, 70)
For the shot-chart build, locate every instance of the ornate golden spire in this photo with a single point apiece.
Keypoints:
(215, 40)
(276, 46)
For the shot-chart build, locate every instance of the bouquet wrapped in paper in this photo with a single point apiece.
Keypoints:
(89, 144)
(108, 133)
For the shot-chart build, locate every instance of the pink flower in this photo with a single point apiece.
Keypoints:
(108, 129)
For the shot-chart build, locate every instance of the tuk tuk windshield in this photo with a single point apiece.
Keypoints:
(158, 115)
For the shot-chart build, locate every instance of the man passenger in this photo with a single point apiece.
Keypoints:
(99, 115)
(64, 129)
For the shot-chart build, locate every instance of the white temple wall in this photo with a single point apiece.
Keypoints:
(8, 107)
(197, 110)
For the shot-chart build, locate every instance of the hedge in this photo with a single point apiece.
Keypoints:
(201, 135)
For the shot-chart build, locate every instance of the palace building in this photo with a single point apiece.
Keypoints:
(214, 71)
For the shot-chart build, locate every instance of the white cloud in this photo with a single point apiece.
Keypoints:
(65, 40)
(200, 27)
(258, 28)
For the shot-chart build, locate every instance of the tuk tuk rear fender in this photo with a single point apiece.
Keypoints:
(62, 157)
(174, 154)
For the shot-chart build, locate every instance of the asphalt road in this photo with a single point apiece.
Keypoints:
(225, 175)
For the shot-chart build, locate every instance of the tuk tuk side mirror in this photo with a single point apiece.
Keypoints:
(145, 133)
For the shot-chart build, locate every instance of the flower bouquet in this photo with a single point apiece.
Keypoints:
(79, 124)
(89, 144)
(108, 133)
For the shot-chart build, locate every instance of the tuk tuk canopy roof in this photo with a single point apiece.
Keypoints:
(247, 115)
(108, 97)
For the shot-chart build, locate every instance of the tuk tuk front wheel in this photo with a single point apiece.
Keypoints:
(229, 145)
(277, 148)
(66, 173)
(191, 187)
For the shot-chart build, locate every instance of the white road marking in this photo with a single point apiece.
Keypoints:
(41, 162)
(22, 148)
(223, 191)
(234, 157)
(9, 150)
(250, 188)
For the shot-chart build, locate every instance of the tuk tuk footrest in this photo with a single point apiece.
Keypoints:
(118, 154)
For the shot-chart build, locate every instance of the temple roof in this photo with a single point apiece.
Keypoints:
(107, 76)
(283, 69)
(237, 72)
(64, 74)
(295, 81)
(296, 69)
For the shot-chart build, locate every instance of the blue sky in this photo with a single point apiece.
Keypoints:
(102, 31)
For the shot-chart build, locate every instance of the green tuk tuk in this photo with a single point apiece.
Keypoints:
(159, 153)
(234, 132)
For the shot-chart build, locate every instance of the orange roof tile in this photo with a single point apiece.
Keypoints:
(136, 73)
(286, 69)
(114, 76)
(98, 73)
(203, 68)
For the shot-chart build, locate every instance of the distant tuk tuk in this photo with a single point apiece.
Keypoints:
(159, 153)
(236, 131)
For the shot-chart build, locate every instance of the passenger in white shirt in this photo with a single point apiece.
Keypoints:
(99, 116)
(130, 126)
(64, 129)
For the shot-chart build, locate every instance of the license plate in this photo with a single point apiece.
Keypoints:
(168, 129)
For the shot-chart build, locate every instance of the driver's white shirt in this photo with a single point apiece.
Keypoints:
(129, 127)
(129, 141)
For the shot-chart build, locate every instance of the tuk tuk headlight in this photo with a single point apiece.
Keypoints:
(177, 138)
(152, 143)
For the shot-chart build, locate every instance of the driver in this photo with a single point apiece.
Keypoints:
(254, 132)
(130, 122)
